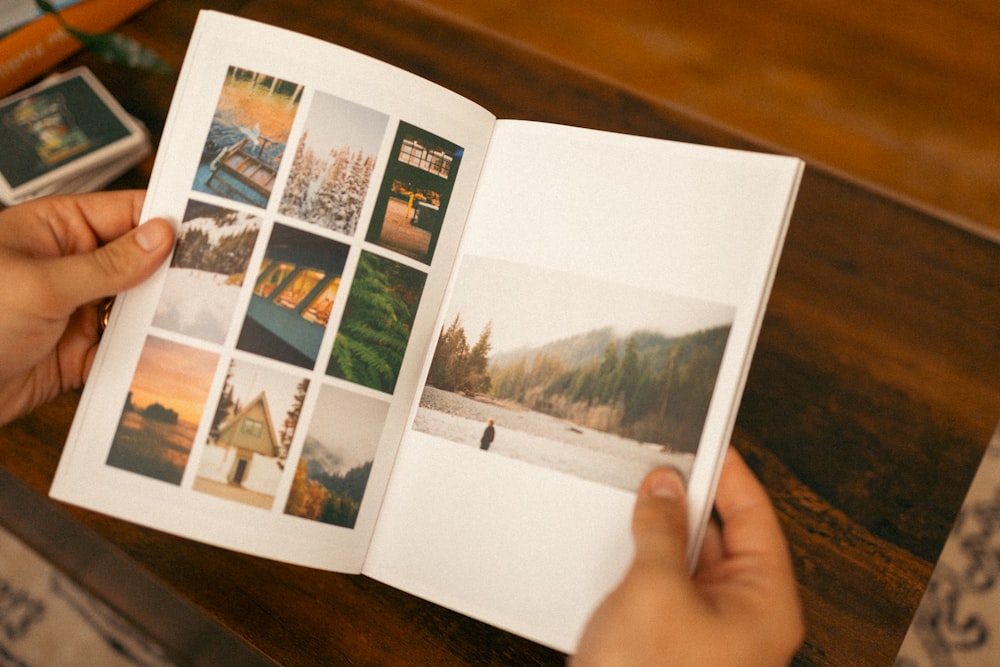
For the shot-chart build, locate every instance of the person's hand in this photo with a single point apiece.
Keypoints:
(58, 257)
(740, 608)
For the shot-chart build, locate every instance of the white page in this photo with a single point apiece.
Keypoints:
(244, 79)
(684, 229)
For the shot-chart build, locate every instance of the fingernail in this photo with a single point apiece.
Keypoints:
(665, 483)
(150, 236)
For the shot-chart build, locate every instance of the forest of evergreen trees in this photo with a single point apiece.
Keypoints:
(229, 255)
(327, 190)
(323, 496)
(458, 366)
(645, 386)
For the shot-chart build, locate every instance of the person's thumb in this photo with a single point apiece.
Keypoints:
(659, 522)
(116, 266)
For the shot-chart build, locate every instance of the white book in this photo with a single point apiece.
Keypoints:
(370, 268)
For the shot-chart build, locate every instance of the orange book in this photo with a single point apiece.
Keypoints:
(37, 47)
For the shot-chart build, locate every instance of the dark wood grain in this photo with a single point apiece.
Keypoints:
(906, 98)
(870, 401)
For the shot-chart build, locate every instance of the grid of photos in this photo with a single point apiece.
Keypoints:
(273, 310)
(586, 377)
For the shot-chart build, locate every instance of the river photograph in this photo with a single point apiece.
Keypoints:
(586, 377)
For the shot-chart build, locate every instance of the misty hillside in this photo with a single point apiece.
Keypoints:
(585, 347)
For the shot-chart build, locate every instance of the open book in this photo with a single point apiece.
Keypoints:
(403, 338)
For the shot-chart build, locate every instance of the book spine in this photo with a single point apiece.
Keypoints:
(37, 47)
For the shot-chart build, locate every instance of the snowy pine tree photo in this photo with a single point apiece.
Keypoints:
(333, 164)
(328, 192)
(207, 271)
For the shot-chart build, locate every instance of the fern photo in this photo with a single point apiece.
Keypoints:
(375, 330)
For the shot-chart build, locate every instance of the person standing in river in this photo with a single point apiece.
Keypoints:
(488, 433)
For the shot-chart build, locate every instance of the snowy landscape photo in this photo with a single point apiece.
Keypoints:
(590, 378)
(206, 271)
(333, 163)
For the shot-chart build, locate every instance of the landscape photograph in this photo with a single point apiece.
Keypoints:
(206, 271)
(374, 332)
(332, 472)
(333, 163)
(165, 403)
(251, 433)
(248, 135)
(415, 191)
(583, 376)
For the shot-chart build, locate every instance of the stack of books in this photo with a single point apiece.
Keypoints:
(65, 135)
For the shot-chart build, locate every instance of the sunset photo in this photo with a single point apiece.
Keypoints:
(164, 406)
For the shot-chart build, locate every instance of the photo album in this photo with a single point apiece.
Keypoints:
(403, 338)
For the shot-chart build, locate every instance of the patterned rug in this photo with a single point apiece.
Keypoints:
(46, 619)
(958, 621)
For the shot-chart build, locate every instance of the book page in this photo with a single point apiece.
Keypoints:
(601, 323)
(252, 394)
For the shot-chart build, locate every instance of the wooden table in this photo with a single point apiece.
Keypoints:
(872, 396)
